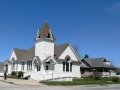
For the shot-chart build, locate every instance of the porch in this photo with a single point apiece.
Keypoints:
(86, 72)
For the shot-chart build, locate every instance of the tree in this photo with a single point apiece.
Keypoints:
(86, 56)
(76, 49)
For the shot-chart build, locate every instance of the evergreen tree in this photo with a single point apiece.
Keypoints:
(86, 56)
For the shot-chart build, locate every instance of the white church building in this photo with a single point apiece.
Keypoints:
(45, 60)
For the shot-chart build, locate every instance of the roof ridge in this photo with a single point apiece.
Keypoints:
(18, 49)
(62, 44)
(96, 58)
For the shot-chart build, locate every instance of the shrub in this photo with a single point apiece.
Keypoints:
(13, 73)
(90, 76)
(115, 79)
(97, 75)
(20, 74)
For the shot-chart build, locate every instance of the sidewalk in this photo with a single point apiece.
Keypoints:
(21, 82)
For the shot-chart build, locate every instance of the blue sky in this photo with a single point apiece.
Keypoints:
(92, 25)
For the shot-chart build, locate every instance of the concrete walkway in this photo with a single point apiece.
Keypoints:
(21, 82)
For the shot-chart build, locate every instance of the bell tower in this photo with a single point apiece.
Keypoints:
(44, 42)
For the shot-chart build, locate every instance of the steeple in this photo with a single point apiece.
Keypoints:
(44, 44)
(45, 33)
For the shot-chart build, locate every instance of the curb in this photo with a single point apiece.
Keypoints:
(20, 84)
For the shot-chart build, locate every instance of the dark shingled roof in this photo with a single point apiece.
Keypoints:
(24, 55)
(29, 54)
(44, 31)
(97, 62)
(19, 52)
(60, 49)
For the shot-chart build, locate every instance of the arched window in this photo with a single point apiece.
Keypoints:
(67, 65)
(67, 58)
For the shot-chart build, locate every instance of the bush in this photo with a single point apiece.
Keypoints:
(97, 75)
(90, 76)
(13, 73)
(115, 79)
(20, 74)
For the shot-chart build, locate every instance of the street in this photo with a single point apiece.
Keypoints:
(8, 86)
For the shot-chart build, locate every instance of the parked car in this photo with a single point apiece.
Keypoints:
(118, 74)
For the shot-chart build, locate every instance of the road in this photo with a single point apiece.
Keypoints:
(8, 86)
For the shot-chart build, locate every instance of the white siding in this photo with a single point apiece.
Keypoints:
(76, 69)
(59, 67)
(19, 66)
(43, 49)
(1, 74)
(13, 55)
(9, 69)
(69, 52)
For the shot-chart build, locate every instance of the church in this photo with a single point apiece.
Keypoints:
(45, 60)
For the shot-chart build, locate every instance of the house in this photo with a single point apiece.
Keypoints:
(45, 60)
(89, 65)
(1, 69)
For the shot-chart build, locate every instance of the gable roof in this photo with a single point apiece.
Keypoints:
(44, 31)
(60, 49)
(25, 55)
(19, 52)
(29, 54)
(97, 63)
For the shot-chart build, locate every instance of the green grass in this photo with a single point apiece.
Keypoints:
(84, 81)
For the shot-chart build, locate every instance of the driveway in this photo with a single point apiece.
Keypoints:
(8, 86)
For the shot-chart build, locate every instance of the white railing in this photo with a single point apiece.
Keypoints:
(53, 76)
(105, 73)
(28, 73)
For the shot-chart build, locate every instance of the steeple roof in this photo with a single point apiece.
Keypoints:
(45, 32)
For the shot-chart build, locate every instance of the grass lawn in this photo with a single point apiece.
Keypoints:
(83, 81)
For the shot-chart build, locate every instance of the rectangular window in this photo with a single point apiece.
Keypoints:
(38, 67)
(67, 67)
(13, 66)
(27, 65)
(31, 65)
(22, 67)
(47, 67)
(16, 65)
(70, 66)
(63, 66)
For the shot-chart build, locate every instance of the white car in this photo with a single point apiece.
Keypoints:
(118, 75)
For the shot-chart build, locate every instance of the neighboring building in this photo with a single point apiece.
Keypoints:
(45, 60)
(89, 65)
(1, 69)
